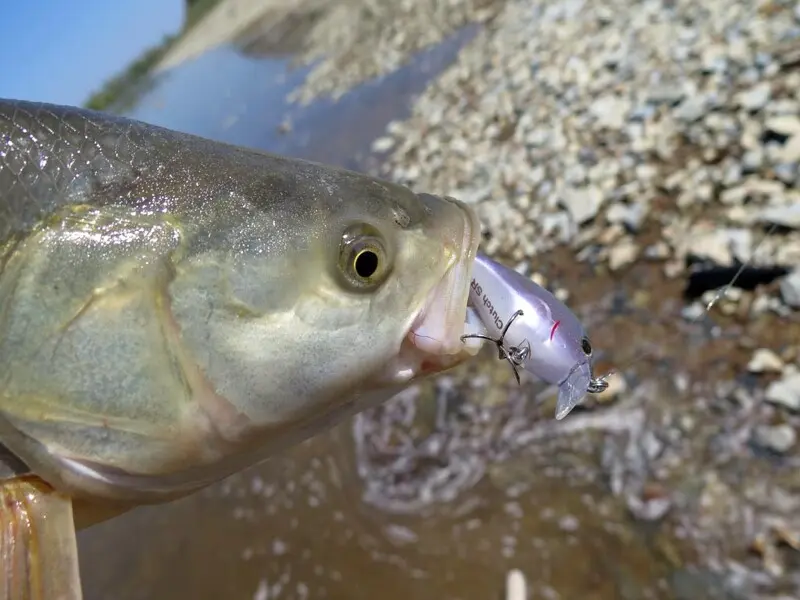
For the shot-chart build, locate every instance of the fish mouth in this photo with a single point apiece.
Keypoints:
(433, 341)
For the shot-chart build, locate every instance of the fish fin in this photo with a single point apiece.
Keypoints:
(38, 549)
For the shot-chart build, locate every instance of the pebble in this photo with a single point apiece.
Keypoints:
(783, 124)
(630, 215)
(779, 438)
(756, 97)
(765, 360)
(582, 204)
(622, 254)
(785, 391)
(790, 289)
(651, 509)
(691, 109)
(786, 216)
(617, 386)
(383, 144)
(790, 153)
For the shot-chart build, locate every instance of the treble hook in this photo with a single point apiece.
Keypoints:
(598, 385)
(515, 355)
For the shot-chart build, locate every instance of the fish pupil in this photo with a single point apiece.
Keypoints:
(586, 346)
(366, 264)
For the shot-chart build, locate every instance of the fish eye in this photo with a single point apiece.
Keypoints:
(363, 259)
(366, 263)
(586, 346)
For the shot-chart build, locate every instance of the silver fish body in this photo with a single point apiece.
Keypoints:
(174, 309)
(547, 338)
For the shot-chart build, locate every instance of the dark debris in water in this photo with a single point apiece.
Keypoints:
(704, 277)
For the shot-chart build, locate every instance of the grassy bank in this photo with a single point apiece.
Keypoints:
(120, 92)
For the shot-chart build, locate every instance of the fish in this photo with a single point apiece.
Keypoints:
(175, 309)
(533, 330)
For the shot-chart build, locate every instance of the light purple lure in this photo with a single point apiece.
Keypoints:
(535, 331)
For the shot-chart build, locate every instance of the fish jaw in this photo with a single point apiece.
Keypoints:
(433, 341)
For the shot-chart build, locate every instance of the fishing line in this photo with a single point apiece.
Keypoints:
(717, 297)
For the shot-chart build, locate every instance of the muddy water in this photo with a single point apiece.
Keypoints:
(443, 490)
(300, 529)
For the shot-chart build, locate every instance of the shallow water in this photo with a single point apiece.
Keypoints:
(241, 99)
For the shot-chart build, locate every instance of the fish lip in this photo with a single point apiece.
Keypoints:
(444, 311)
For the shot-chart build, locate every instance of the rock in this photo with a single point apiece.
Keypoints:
(630, 215)
(622, 254)
(474, 195)
(765, 360)
(753, 160)
(787, 171)
(617, 386)
(583, 204)
(657, 251)
(691, 109)
(650, 509)
(790, 153)
(756, 97)
(721, 245)
(785, 391)
(557, 225)
(383, 144)
(786, 216)
(693, 311)
(610, 111)
(665, 94)
(780, 438)
(734, 195)
(790, 289)
(784, 124)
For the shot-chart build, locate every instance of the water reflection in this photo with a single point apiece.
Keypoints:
(241, 99)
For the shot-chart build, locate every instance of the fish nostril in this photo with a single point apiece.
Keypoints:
(401, 218)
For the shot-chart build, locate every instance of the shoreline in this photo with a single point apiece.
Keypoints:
(221, 25)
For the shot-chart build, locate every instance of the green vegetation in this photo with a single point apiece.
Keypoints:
(196, 10)
(121, 92)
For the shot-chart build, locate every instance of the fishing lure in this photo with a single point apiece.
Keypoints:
(541, 335)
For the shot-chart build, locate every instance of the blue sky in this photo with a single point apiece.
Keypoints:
(62, 50)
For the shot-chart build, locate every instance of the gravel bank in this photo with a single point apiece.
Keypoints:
(357, 40)
(575, 122)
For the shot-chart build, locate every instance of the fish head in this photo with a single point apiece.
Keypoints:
(361, 291)
(398, 290)
(300, 295)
